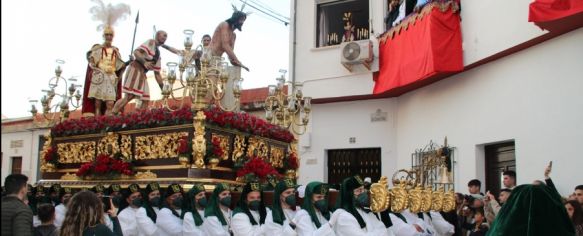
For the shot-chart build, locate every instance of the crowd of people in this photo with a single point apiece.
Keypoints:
(26, 210)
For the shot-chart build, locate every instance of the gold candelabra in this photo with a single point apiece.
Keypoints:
(291, 111)
(206, 86)
(67, 96)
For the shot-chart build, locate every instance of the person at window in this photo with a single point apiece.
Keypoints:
(85, 214)
(16, 216)
(133, 219)
(575, 213)
(168, 221)
(249, 215)
(193, 213)
(509, 179)
(313, 218)
(46, 214)
(279, 220)
(392, 13)
(218, 214)
(354, 216)
(405, 9)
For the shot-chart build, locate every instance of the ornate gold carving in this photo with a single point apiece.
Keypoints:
(415, 199)
(199, 142)
(158, 146)
(257, 147)
(276, 157)
(68, 176)
(223, 144)
(126, 147)
(426, 199)
(45, 167)
(238, 147)
(380, 195)
(400, 197)
(76, 152)
(146, 175)
(108, 144)
(449, 201)
(437, 203)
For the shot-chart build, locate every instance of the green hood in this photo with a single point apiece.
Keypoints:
(532, 211)
(213, 208)
(347, 200)
(242, 205)
(277, 211)
(308, 204)
(190, 204)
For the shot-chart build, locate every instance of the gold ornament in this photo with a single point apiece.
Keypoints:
(380, 196)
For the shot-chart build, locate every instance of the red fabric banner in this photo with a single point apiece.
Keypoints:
(548, 10)
(556, 15)
(430, 45)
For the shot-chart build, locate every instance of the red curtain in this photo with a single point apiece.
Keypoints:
(427, 47)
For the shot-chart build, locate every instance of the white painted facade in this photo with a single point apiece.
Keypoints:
(29, 152)
(532, 97)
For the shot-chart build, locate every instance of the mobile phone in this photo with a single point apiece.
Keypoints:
(106, 203)
(551, 164)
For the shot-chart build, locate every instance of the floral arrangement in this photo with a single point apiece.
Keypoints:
(183, 146)
(51, 156)
(105, 165)
(291, 162)
(163, 117)
(214, 149)
(256, 169)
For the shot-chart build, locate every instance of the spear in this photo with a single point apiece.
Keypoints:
(135, 30)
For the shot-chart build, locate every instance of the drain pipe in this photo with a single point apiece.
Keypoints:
(294, 44)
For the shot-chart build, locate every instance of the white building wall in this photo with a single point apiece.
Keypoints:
(488, 27)
(332, 125)
(532, 97)
(29, 153)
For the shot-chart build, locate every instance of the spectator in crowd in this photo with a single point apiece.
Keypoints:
(547, 217)
(474, 187)
(479, 227)
(16, 216)
(405, 9)
(85, 217)
(46, 214)
(576, 214)
(509, 179)
(579, 194)
(492, 207)
(61, 209)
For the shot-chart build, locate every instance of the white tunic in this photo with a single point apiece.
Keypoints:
(414, 219)
(35, 221)
(212, 225)
(348, 225)
(189, 227)
(272, 228)
(402, 228)
(60, 212)
(242, 226)
(440, 225)
(305, 226)
(168, 224)
(135, 222)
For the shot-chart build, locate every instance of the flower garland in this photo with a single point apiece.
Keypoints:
(51, 156)
(256, 169)
(163, 117)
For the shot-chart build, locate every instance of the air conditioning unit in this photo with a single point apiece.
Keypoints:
(355, 53)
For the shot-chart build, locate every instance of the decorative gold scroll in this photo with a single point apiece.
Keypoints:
(108, 144)
(76, 152)
(276, 157)
(158, 146)
(126, 147)
(199, 142)
(238, 147)
(257, 147)
(380, 195)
